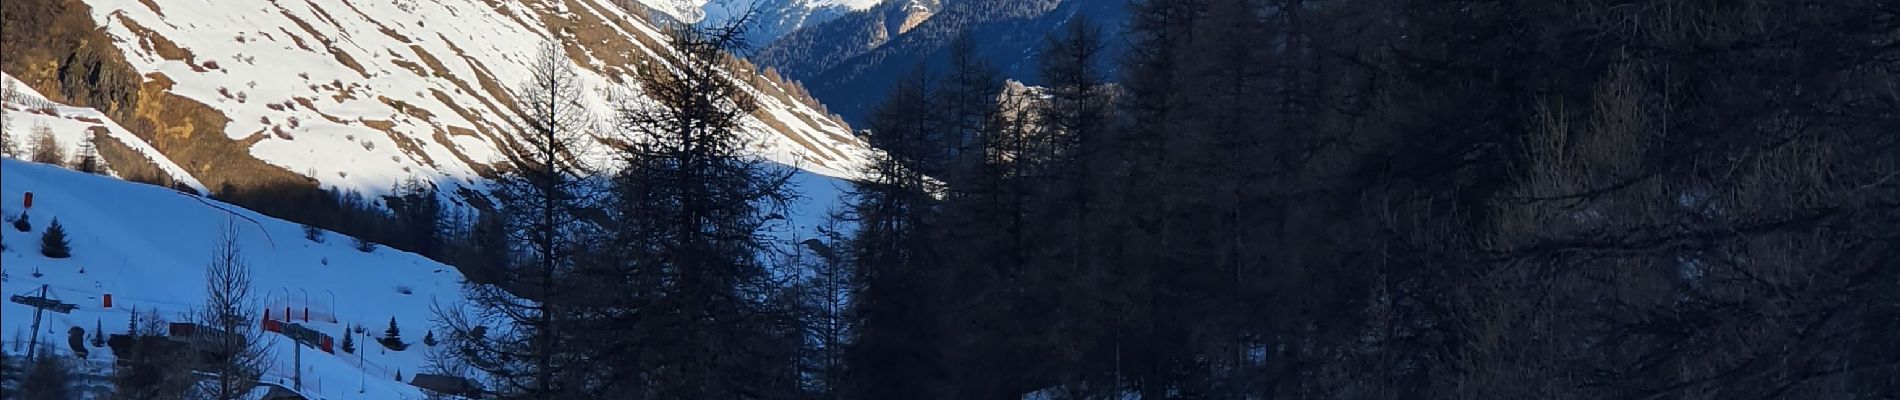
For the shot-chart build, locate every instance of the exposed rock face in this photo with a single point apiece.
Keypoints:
(356, 93)
(915, 13)
(71, 60)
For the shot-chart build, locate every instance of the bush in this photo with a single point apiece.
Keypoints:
(363, 245)
(428, 339)
(53, 242)
(22, 224)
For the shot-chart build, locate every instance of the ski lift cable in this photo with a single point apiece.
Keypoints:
(50, 294)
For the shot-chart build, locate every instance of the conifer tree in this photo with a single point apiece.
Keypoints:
(536, 241)
(392, 337)
(87, 160)
(361, 244)
(53, 242)
(689, 214)
(229, 309)
(313, 233)
(893, 208)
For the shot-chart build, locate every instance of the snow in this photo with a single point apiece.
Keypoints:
(147, 246)
(152, 257)
(797, 13)
(851, 4)
(422, 60)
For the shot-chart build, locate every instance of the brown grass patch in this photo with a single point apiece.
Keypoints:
(341, 57)
(150, 5)
(443, 136)
(434, 64)
(379, 25)
(296, 39)
(412, 67)
(157, 44)
(406, 108)
(404, 143)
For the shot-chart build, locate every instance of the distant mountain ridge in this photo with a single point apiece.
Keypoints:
(849, 62)
(774, 18)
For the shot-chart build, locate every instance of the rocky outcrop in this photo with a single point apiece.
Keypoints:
(57, 48)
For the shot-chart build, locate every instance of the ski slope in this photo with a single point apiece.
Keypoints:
(147, 247)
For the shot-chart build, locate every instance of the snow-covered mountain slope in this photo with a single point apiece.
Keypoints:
(356, 93)
(775, 18)
(152, 256)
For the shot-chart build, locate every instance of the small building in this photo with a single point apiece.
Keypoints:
(448, 385)
(275, 392)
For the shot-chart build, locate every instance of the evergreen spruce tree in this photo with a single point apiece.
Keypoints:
(349, 341)
(53, 242)
(392, 337)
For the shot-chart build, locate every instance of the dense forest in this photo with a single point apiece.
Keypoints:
(1388, 199)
